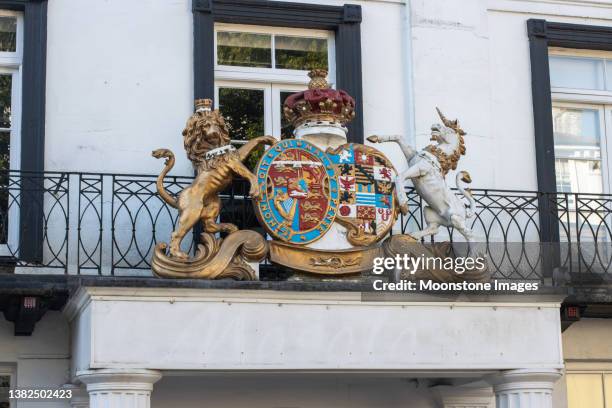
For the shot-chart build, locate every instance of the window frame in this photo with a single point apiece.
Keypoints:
(11, 63)
(344, 21)
(544, 35)
(277, 115)
(582, 94)
(271, 80)
(12, 239)
(272, 117)
(260, 86)
(273, 74)
(13, 58)
(32, 116)
(604, 139)
(545, 38)
(9, 372)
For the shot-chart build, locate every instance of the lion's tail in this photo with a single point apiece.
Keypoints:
(164, 194)
(464, 176)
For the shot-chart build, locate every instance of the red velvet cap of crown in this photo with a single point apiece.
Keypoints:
(319, 103)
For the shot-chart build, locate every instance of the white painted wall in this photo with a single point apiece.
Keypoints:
(120, 80)
(119, 83)
(37, 361)
(471, 58)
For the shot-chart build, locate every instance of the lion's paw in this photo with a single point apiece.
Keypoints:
(270, 140)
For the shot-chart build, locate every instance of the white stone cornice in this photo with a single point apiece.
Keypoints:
(171, 295)
(583, 3)
(77, 303)
(594, 9)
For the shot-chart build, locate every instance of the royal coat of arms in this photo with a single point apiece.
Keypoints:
(326, 203)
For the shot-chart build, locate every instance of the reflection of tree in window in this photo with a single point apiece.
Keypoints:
(5, 385)
(8, 34)
(243, 110)
(244, 49)
(300, 53)
(286, 126)
(5, 138)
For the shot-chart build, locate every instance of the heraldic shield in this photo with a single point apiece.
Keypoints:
(366, 206)
(299, 192)
(305, 190)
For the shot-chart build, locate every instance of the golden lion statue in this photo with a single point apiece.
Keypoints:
(207, 142)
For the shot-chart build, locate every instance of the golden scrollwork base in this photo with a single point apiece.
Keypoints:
(405, 244)
(317, 261)
(215, 258)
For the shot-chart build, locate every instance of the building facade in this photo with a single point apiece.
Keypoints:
(89, 89)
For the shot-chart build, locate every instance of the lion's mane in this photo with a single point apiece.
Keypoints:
(203, 132)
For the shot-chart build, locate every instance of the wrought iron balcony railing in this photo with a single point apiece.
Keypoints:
(108, 224)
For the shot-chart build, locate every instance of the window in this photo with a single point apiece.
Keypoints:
(581, 86)
(579, 144)
(272, 51)
(257, 67)
(11, 51)
(582, 131)
(580, 72)
(5, 386)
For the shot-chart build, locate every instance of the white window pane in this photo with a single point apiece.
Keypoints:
(300, 52)
(576, 127)
(244, 49)
(8, 34)
(609, 75)
(574, 72)
(577, 136)
(578, 176)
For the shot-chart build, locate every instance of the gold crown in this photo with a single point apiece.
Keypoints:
(319, 103)
(203, 104)
(318, 79)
